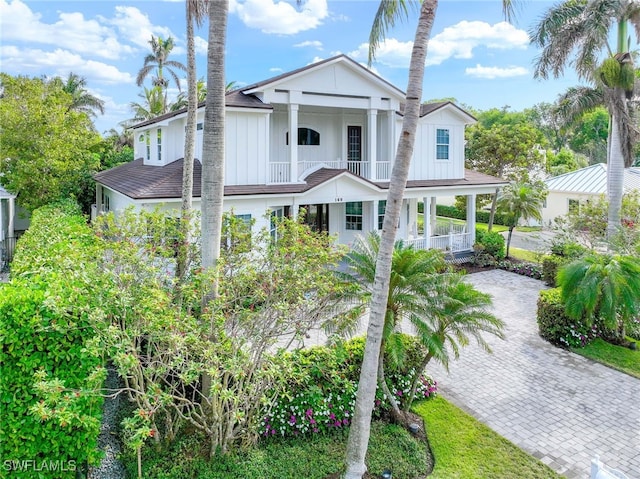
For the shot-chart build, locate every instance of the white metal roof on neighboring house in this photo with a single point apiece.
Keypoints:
(591, 180)
(4, 194)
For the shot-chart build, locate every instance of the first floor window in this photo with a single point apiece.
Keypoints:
(236, 232)
(276, 217)
(354, 216)
(382, 206)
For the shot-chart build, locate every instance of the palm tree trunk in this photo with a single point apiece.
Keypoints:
(615, 174)
(213, 153)
(189, 148)
(361, 425)
(414, 383)
(511, 228)
(395, 408)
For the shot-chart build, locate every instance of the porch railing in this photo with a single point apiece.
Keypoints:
(454, 242)
(7, 250)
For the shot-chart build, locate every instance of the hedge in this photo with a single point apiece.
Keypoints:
(481, 216)
(558, 328)
(550, 266)
(45, 329)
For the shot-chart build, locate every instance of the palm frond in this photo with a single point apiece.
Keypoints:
(388, 13)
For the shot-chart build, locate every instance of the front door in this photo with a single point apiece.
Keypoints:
(317, 217)
(354, 149)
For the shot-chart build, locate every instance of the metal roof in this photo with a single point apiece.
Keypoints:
(591, 180)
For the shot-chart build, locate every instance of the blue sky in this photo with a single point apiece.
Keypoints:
(473, 55)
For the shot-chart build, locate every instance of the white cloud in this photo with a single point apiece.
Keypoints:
(316, 59)
(72, 31)
(60, 62)
(276, 70)
(457, 41)
(309, 43)
(279, 16)
(495, 72)
(201, 45)
(136, 27)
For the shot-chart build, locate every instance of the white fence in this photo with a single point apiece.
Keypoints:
(453, 243)
(600, 471)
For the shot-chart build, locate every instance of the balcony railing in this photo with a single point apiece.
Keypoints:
(383, 170)
(279, 172)
(360, 168)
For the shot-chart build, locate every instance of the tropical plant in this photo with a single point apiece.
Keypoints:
(181, 100)
(388, 12)
(158, 59)
(81, 99)
(521, 201)
(603, 286)
(576, 33)
(153, 105)
(414, 274)
(458, 314)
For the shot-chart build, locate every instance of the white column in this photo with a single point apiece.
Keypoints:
(12, 214)
(471, 217)
(391, 119)
(432, 210)
(426, 215)
(372, 117)
(293, 141)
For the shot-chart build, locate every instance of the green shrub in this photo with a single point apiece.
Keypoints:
(492, 243)
(567, 249)
(558, 328)
(319, 396)
(481, 215)
(48, 411)
(550, 266)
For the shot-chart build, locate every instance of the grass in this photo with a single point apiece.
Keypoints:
(524, 254)
(496, 228)
(312, 457)
(464, 448)
(616, 357)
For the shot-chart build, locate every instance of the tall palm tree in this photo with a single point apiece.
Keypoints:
(196, 11)
(414, 276)
(81, 99)
(458, 315)
(213, 149)
(158, 59)
(153, 104)
(388, 12)
(602, 285)
(577, 33)
(520, 201)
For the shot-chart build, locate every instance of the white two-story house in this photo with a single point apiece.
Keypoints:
(321, 138)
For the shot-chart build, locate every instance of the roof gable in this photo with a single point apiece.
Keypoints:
(340, 76)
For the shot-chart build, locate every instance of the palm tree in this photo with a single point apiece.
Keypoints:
(182, 98)
(158, 59)
(414, 276)
(81, 99)
(577, 33)
(388, 12)
(602, 285)
(195, 13)
(459, 313)
(153, 105)
(520, 201)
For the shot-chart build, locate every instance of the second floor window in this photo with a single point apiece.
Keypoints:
(147, 139)
(306, 136)
(354, 216)
(159, 144)
(442, 144)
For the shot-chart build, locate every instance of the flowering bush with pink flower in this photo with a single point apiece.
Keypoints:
(321, 396)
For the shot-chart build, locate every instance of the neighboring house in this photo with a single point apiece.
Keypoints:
(569, 190)
(346, 122)
(7, 215)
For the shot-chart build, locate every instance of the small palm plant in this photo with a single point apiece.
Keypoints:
(605, 286)
(521, 201)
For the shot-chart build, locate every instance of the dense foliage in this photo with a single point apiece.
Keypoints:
(557, 327)
(47, 147)
(489, 246)
(481, 216)
(46, 328)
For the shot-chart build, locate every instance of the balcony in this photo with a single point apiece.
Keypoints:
(280, 171)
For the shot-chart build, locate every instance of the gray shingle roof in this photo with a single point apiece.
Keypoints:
(591, 180)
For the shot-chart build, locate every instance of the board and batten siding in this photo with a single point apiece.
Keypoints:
(247, 147)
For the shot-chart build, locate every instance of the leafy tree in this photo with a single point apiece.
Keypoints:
(605, 286)
(576, 33)
(543, 117)
(588, 135)
(521, 201)
(506, 145)
(414, 274)
(46, 152)
(81, 99)
(563, 162)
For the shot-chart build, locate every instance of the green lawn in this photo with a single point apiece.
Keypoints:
(525, 255)
(616, 357)
(466, 449)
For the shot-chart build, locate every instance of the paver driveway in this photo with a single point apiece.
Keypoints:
(556, 405)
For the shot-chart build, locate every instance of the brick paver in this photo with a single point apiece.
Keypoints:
(558, 406)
